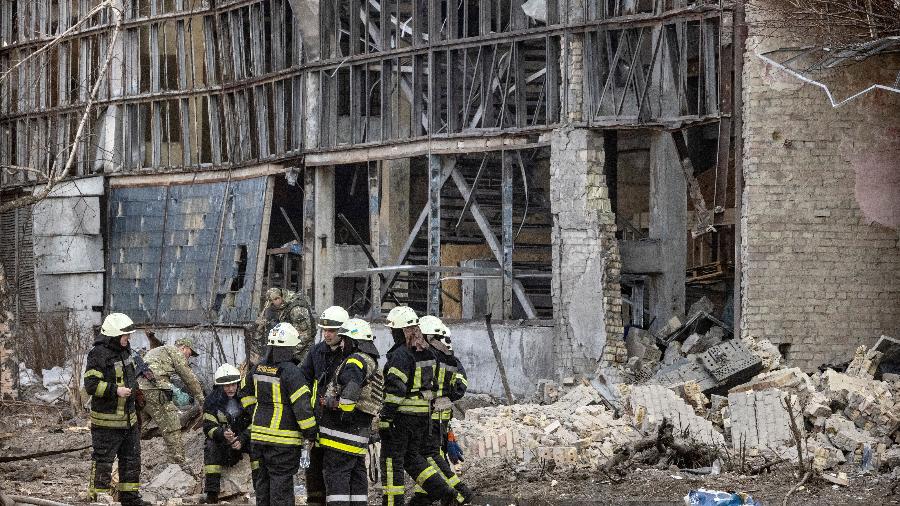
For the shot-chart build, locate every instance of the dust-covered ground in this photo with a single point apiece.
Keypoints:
(26, 429)
(653, 486)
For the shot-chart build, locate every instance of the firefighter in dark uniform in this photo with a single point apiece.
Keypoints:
(451, 383)
(110, 380)
(317, 368)
(352, 399)
(274, 390)
(226, 426)
(406, 414)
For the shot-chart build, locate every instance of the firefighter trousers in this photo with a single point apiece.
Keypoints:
(108, 444)
(433, 451)
(346, 483)
(401, 448)
(273, 479)
(315, 479)
(216, 457)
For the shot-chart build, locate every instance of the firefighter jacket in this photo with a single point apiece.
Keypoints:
(346, 427)
(109, 366)
(274, 393)
(317, 368)
(408, 382)
(165, 362)
(450, 382)
(221, 413)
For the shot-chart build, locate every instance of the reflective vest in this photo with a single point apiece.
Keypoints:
(275, 393)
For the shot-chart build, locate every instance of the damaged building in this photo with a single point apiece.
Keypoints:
(575, 168)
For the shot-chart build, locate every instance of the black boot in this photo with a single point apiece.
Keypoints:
(212, 498)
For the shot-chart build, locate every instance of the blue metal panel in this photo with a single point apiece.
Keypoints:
(164, 243)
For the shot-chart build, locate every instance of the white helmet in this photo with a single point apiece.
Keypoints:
(333, 317)
(401, 317)
(227, 374)
(116, 324)
(445, 337)
(431, 325)
(357, 329)
(284, 334)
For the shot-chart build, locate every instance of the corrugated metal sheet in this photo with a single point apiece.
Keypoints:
(17, 255)
(165, 243)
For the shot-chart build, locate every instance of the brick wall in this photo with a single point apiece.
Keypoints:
(819, 273)
(586, 264)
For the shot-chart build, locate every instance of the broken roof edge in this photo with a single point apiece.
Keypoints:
(858, 53)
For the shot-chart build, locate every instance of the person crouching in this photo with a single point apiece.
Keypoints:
(225, 424)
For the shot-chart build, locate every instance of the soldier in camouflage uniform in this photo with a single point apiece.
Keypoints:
(288, 307)
(163, 363)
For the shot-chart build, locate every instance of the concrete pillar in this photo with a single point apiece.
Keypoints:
(586, 264)
(394, 209)
(668, 223)
(324, 249)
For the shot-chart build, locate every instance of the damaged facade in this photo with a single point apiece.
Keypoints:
(574, 167)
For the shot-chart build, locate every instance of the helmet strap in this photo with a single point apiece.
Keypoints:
(399, 336)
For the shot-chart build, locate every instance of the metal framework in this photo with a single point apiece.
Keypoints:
(201, 85)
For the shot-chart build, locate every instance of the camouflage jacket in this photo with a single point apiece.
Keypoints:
(295, 311)
(164, 362)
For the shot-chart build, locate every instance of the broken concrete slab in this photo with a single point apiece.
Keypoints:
(845, 435)
(890, 355)
(760, 419)
(173, 481)
(650, 404)
(790, 380)
(718, 368)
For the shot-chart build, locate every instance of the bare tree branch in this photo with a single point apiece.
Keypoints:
(56, 175)
(56, 40)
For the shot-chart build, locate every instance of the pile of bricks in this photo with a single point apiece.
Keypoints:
(842, 418)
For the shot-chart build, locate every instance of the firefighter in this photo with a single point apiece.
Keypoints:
(226, 426)
(285, 306)
(274, 391)
(451, 384)
(156, 384)
(110, 380)
(317, 368)
(352, 399)
(405, 417)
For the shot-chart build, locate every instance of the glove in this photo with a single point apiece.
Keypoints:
(180, 397)
(454, 451)
(311, 433)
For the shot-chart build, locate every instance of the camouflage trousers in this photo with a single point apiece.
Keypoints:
(160, 408)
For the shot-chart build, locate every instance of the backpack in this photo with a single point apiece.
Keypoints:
(371, 395)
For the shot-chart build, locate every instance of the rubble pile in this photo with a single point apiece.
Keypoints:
(735, 396)
(575, 428)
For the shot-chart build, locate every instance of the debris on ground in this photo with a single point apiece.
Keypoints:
(694, 397)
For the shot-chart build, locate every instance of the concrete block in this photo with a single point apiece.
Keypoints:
(760, 420)
(650, 404)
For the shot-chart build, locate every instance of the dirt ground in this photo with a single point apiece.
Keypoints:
(29, 429)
